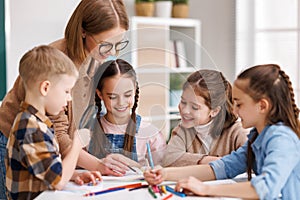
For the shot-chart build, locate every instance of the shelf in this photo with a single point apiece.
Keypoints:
(152, 55)
(161, 117)
(173, 109)
(165, 70)
(178, 22)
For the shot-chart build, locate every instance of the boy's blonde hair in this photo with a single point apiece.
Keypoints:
(44, 62)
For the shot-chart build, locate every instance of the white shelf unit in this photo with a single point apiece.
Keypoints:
(151, 55)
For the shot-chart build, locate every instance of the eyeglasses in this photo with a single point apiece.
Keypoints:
(106, 47)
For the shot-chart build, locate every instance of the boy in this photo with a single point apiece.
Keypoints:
(33, 162)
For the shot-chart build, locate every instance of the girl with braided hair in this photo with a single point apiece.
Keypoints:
(264, 100)
(208, 128)
(120, 130)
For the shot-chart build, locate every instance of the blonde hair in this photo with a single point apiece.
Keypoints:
(94, 17)
(44, 62)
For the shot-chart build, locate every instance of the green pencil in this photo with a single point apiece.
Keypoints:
(152, 192)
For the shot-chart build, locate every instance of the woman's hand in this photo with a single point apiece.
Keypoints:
(192, 185)
(155, 176)
(117, 164)
(86, 177)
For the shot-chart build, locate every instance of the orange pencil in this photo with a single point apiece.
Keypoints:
(168, 197)
(134, 185)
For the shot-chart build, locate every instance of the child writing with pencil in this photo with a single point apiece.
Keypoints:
(264, 100)
(208, 129)
(120, 130)
(33, 161)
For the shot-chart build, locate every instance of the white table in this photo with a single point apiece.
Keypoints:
(141, 194)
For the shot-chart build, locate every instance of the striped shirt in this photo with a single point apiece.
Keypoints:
(33, 162)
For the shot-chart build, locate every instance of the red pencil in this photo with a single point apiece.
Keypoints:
(168, 197)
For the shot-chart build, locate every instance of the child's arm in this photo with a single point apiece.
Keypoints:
(158, 147)
(242, 190)
(69, 162)
(156, 176)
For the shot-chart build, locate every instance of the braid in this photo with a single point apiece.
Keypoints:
(289, 83)
(131, 127)
(295, 124)
(230, 116)
(250, 156)
(98, 104)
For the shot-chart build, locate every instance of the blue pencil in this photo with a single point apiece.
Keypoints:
(150, 155)
(169, 189)
(103, 191)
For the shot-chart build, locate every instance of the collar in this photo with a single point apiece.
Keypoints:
(89, 67)
(32, 110)
(258, 141)
(203, 128)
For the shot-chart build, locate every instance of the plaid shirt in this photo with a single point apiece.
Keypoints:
(33, 162)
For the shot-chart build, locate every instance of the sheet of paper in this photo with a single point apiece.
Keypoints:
(72, 187)
(129, 176)
(218, 182)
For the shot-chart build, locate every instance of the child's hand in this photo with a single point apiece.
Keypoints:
(191, 184)
(155, 176)
(87, 177)
(119, 163)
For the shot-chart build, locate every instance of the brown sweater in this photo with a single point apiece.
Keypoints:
(185, 147)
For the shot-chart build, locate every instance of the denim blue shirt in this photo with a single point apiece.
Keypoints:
(103, 144)
(277, 163)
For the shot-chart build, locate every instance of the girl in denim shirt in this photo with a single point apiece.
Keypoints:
(264, 100)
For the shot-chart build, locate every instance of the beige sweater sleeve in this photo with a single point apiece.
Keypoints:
(177, 153)
(185, 148)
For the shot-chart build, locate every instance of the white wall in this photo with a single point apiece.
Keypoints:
(31, 23)
(218, 32)
(34, 22)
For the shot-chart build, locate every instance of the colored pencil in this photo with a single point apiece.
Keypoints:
(152, 192)
(163, 188)
(150, 155)
(160, 190)
(134, 185)
(169, 189)
(168, 197)
(155, 188)
(137, 188)
(103, 192)
(131, 168)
